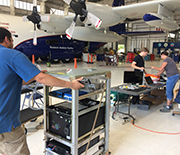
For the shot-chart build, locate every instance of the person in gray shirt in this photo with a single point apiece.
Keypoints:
(172, 74)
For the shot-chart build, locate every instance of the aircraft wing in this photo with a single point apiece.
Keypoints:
(139, 9)
(158, 13)
(140, 33)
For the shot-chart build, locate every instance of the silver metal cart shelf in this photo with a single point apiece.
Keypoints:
(103, 130)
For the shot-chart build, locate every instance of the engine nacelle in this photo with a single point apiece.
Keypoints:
(54, 25)
(160, 21)
(90, 34)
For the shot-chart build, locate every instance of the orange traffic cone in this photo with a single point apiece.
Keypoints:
(75, 63)
(91, 59)
(33, 59)
(88, 58)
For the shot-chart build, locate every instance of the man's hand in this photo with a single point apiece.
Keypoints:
(43, 71)
(152, 67)
(141, 68)
(75, 84)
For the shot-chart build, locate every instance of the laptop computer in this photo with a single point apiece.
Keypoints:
(149, 81)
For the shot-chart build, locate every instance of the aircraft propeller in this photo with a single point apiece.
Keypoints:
(79, 7)
(35, 18)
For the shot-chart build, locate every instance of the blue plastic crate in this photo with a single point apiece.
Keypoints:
(68, 96)
(60, 92)
(65, 93)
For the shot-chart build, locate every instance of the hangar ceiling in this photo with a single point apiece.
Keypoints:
(59, 4)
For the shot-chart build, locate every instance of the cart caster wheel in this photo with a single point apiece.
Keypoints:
(25, 131)
(173, 114)
(34, 120)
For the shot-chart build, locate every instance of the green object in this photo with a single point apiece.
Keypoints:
(114, 96)
(48, 64)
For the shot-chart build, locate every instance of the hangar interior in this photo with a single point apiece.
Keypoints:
(155, 133)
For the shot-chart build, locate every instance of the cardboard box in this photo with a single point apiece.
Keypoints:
(158, 92)
(156, 100)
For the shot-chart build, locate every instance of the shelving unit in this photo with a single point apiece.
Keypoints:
(101, 131)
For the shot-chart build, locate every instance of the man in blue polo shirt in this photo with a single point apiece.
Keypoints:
(16, 70)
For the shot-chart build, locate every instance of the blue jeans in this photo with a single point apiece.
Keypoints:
(170, 83)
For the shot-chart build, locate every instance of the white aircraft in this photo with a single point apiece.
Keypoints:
(91, 20)
(52, 43)
(21, 30)
(49, 45)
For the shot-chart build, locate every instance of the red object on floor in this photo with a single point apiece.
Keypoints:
(88, 58)
(75, 63)
(91, 58)
(152, 57)
(33, 59)
(130, 57)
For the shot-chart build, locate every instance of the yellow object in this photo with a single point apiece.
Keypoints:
(112, 52)
(60, 73)
(48, 64)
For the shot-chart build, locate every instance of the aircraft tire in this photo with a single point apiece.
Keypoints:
(55, 60)
(66, 60)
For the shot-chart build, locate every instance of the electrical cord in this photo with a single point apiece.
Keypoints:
(97, 112)
(166, 133)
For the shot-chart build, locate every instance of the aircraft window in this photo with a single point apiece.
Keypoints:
(23, 5)
(5, 2)
(29, 6)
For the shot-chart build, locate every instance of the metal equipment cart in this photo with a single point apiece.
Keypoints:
(73, 143)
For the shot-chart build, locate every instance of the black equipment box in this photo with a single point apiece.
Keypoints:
(62, 149)
(60, 119)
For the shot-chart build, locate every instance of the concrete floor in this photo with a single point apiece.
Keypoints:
(125, 139)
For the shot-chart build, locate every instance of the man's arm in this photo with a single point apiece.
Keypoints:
(160, 68)
(133, 65)
(25, 83)
(28, 82)
(160, 72)
(53, 81)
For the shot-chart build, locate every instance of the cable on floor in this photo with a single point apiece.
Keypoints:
(166, 133)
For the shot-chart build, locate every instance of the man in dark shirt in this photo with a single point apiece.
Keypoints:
(138, 65)
(138, 62)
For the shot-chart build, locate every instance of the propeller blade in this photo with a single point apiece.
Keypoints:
(34, 37)
(34, 2)
(45, 18)
(70, 30)
(25, 19)
(67, 1)
(94, 20)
